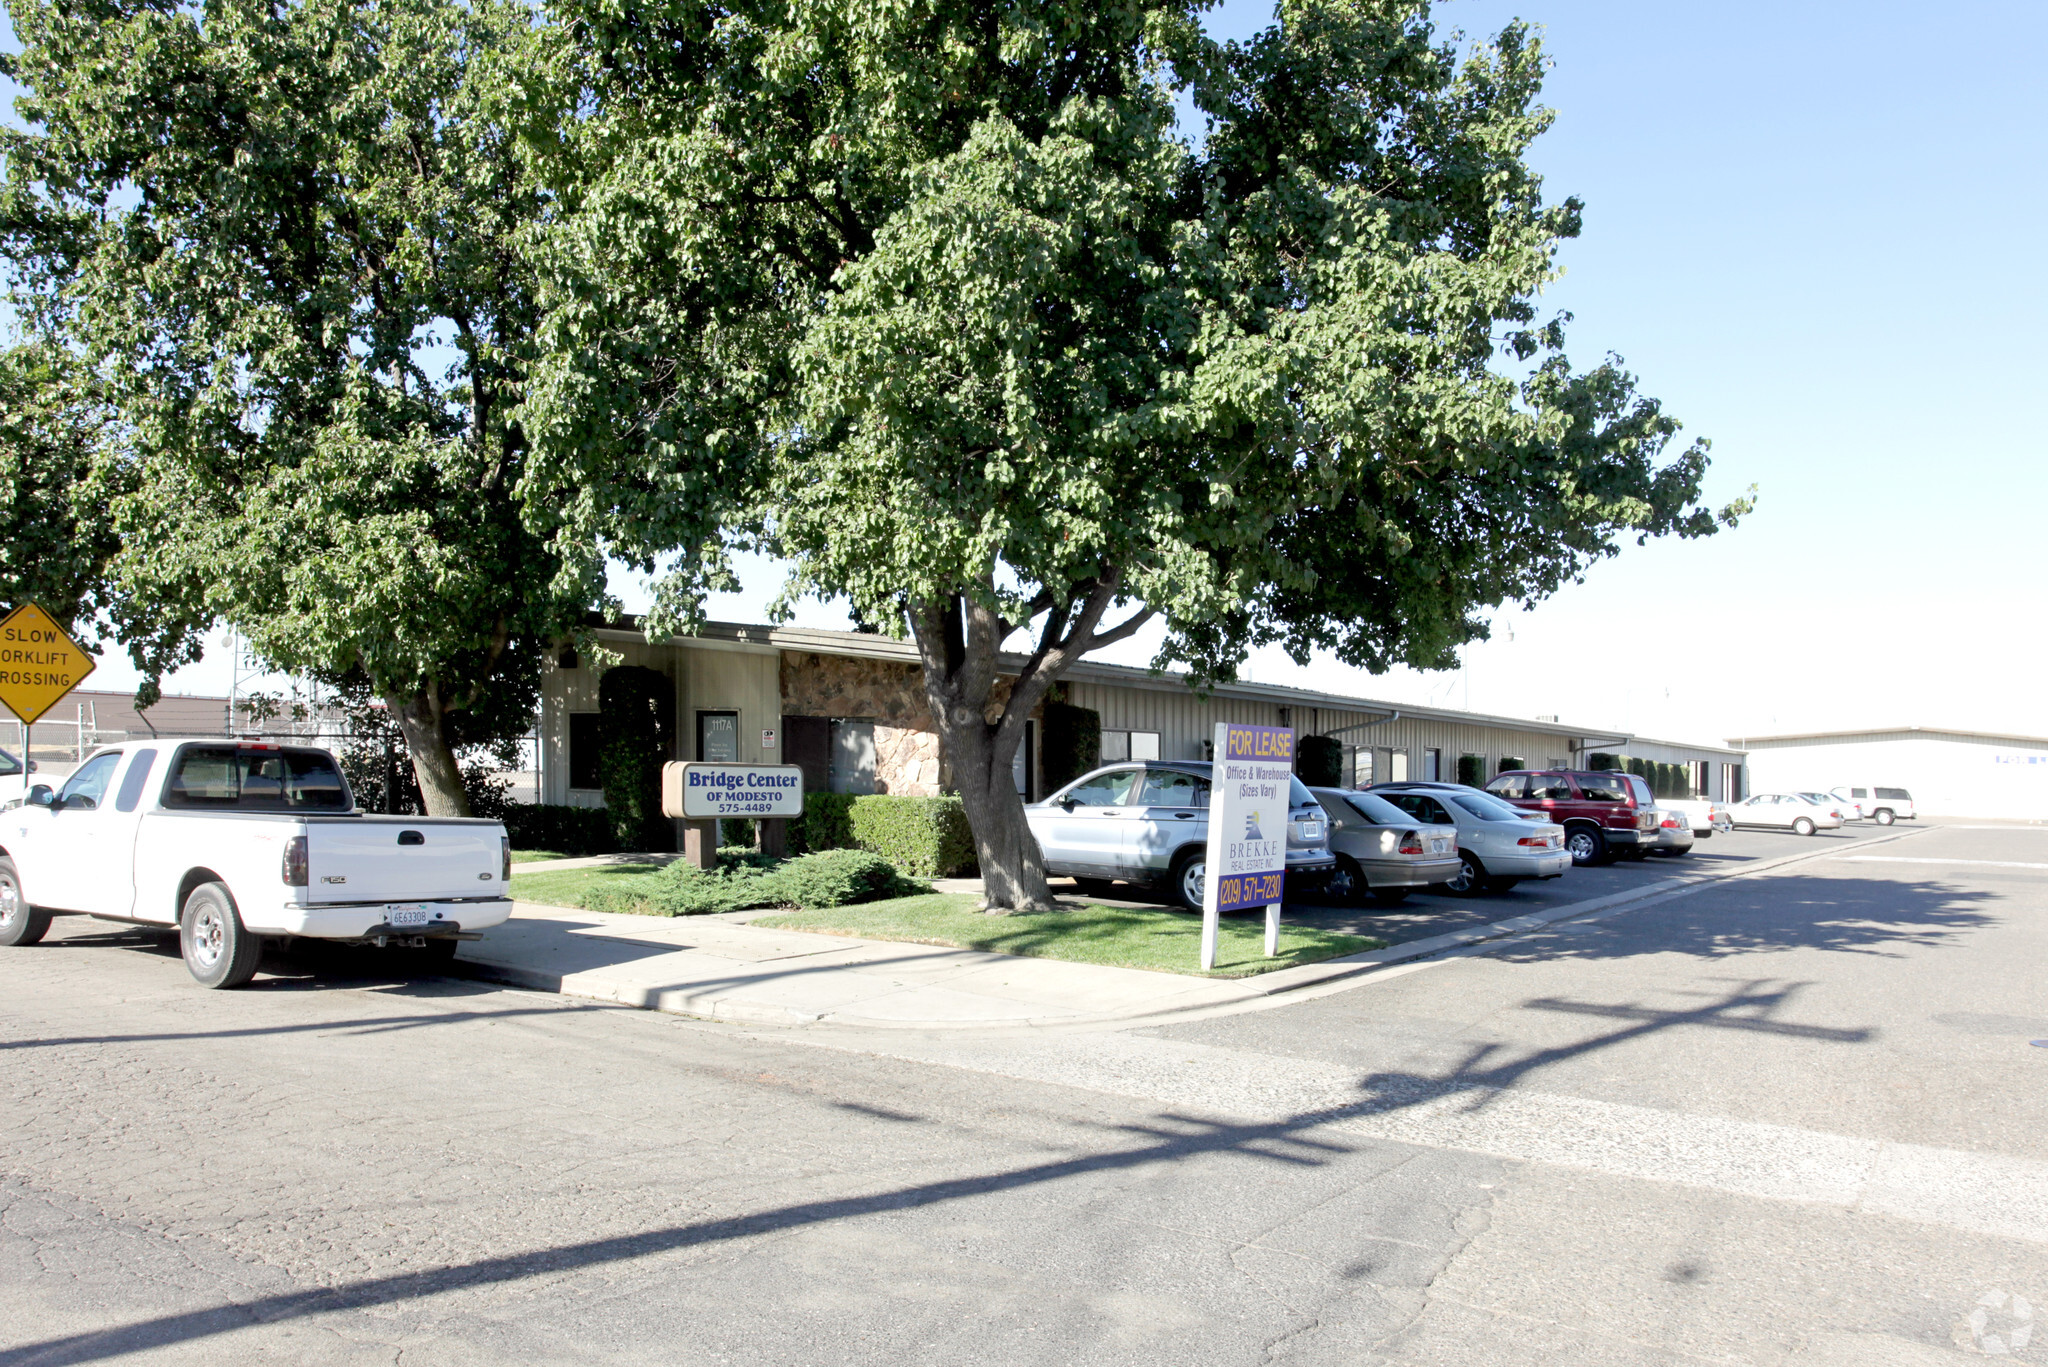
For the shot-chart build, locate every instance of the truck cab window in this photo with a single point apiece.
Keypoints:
(87, 789)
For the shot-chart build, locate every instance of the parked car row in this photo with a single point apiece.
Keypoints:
(1810, 812)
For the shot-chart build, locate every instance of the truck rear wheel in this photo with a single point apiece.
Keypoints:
(20, 923)
(218, 949)
(1883, 816)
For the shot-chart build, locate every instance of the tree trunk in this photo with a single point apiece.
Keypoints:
(958, 641)
(423, 719)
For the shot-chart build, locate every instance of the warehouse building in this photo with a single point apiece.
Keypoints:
(1949, 772)
(849, 708)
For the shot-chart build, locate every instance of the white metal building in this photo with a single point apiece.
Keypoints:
(1948, 772)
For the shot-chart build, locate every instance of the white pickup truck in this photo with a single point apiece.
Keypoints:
(236, 843)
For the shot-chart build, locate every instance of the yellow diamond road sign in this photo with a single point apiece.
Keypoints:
(39, 662)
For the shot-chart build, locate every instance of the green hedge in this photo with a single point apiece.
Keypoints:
(1603, 762)
(1472, 770)
(1319, 761)
(1508, 763)
(828, 878)
(564, 830)
(927, 837)
(636, 722)
(1071, 743)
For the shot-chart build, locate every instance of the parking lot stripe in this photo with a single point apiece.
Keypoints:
(1902, 859)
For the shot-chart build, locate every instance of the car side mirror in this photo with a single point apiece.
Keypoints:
(1068, 804)
(41, 796)
(31, 766)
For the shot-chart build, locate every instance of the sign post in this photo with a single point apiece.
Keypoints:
(1249, 786)
(700, 794)
(39, 664)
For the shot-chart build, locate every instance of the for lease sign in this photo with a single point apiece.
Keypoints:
(703, 792)
(39, 662)
(1249, 788)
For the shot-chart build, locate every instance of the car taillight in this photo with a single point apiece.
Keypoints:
(1540, 842)
(1411, 843)
(294, 869)
(505, 847)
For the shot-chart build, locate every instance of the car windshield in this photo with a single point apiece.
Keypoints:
(1486, 808)
(1377, 810)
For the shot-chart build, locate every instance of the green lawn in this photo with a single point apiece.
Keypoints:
(1123, 937)
(536, 856)
(566, 887)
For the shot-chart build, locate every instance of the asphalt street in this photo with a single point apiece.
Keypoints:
(1794, 1118)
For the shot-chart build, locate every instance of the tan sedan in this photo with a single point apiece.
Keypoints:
(1382, 852)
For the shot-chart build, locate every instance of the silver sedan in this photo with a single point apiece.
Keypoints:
(1382, 852)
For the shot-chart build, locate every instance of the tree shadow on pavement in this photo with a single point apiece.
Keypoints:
(1785, 911)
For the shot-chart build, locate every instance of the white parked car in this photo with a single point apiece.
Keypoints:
(1674, 831)
(237, 843)
(1785, 812)
(1843, 810)
(1705, 815)
(1882, 805)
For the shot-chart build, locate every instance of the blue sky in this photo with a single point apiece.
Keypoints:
(1813, 230)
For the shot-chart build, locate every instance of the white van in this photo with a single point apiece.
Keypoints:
(1882, 805)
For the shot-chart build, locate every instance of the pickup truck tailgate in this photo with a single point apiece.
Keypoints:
(403, 859)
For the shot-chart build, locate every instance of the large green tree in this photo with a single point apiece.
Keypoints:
(59, 475)
(285, 238)
(1013, 360)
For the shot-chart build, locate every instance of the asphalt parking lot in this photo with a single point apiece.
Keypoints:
(1427, 914)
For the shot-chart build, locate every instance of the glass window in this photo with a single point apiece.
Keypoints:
(1376, 809)
(272, 780)
(718, 737)
(1894, 794)
(1144, 745)
(87, 789)
(583, 748)
(1509, 785)
(132, 781)
(1298, 794)
(1116, 746)
(1361, 768)
(9, 765)
(1486, 808)
(1603, 787)
(1433, 765)
(1170, 788)
(854, 765)
(1103, 790)
(1644, 798)
(1555, 787)
(1421, 807)
(1859, 792)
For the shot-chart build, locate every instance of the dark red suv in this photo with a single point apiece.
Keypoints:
(1605, 815)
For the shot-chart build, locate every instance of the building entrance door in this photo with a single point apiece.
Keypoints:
(718, 737)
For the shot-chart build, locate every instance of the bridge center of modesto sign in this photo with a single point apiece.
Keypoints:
(1250, 782)
(39, 663)
(704, 792)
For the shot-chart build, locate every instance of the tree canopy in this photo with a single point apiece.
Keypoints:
(999, 350)
(59, 474)
(285, 239)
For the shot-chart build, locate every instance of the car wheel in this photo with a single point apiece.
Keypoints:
(1587, 845)
(1883, 816)
(1347, 881)
(1390, 897)
(218, 948)
(1802, 826)
(1469, 880)
(1190, 881)
(20, 923)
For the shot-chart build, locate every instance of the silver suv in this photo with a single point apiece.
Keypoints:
(1149, 823)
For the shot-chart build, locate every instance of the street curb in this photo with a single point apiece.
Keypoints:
(1328, 973)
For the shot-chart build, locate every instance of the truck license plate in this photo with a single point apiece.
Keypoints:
(408, 916)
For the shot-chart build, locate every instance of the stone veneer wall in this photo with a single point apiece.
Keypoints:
(891, 695)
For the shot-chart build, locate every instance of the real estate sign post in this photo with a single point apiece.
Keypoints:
(1247, 857)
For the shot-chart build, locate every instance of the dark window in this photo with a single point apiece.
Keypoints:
(1859, 792)
(256, 780)
(1510, 785)
(1603, 788)
(1376, 809)
(583, 772)
(86, 789)
(1553, 786)
(1170, 788)
(1894, 794)
(1422, 807)
(854, 765)
(132, 781)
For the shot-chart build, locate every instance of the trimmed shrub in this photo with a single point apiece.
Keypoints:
(827, 823)
(636, 722)
(565, 830)
(1071, 743)
(1603, 762)
(925, 836)
(835, 878)
(1319, 761)
(1511, 762)
(1472, 770)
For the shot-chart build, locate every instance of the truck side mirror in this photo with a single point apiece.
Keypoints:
(41, 796)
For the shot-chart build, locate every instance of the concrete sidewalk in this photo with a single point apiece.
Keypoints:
(720, 968)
